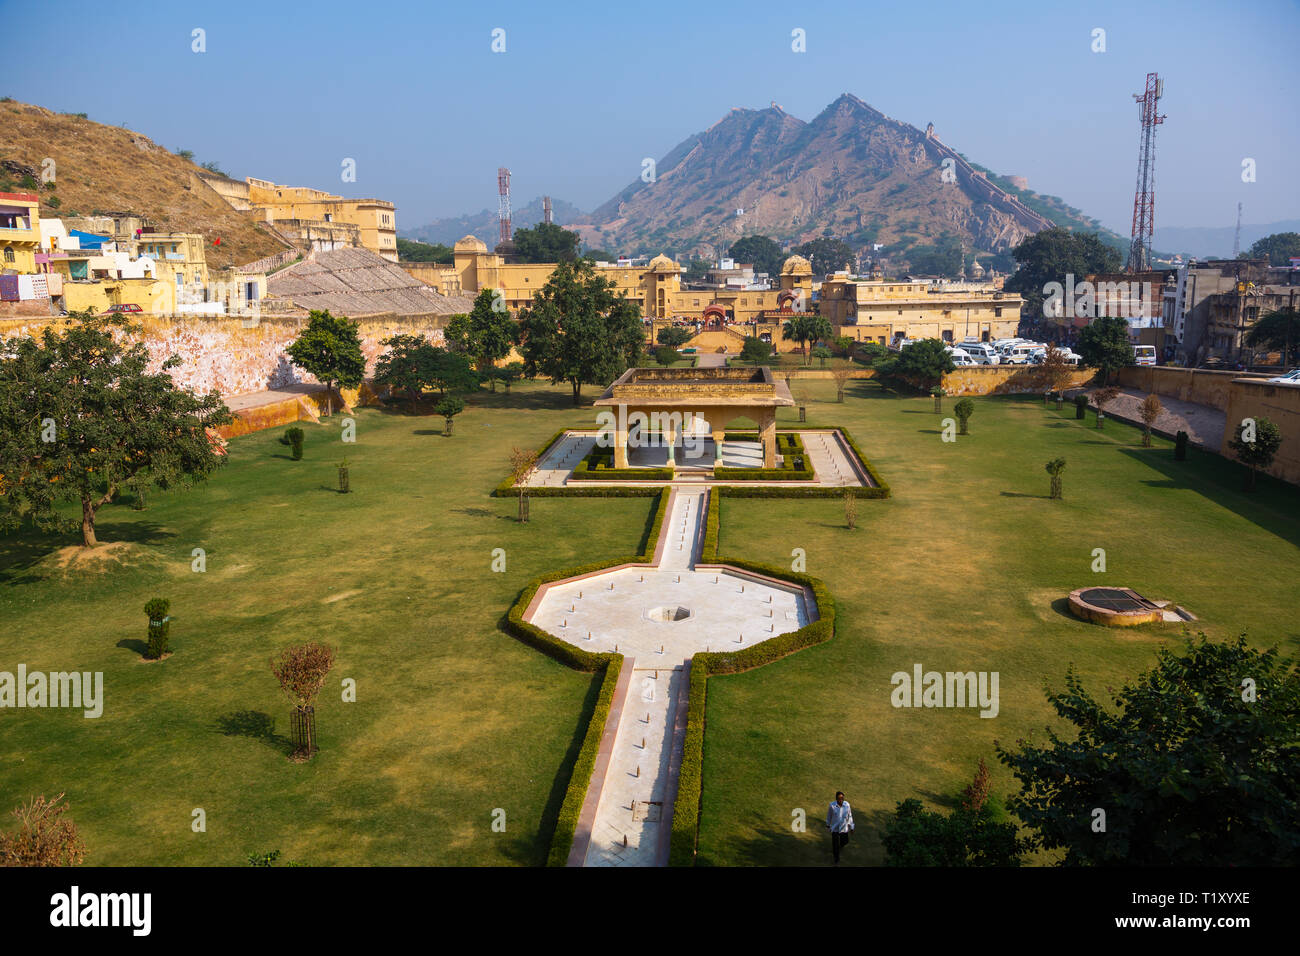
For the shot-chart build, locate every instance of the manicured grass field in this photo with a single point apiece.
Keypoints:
(965, 568)
(453, 717)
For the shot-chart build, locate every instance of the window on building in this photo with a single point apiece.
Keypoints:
(997, 312)
(947, 336)
(9, 254)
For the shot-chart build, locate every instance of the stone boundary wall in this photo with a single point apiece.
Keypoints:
(221, 353)
(1005, 379)
(1196, 385)
(1280, 404)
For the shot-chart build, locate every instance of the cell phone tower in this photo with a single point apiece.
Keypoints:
(546, 210)
(503, 189)
(1144, 200)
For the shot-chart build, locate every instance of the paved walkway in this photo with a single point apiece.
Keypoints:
(1204, 425)
(658, 617)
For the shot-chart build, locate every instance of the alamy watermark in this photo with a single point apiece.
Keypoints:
(73, 689)
(923, 688)
(1094, 300)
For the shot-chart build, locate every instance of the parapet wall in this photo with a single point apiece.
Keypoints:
(1005, 379)
(1196, 385)
(1280, 404)
(221, 353)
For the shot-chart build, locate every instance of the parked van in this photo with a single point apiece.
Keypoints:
(960, 358)
(1019, 354)
(981, 352)
(1146, 354)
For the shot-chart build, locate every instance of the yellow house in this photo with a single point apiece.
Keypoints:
(151, 295)
(179, 256)
(20, 233)
(884, 311)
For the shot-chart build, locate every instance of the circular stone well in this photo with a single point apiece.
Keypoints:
(1114, 607)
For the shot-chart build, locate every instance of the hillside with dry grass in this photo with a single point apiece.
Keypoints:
(109, 169)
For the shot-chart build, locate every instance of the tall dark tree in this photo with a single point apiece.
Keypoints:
(762, 251)
(330, 349)
(1050, 256)
(1280, 330)
(921, 364)
(1255, 443)
(1279, 249)
(486, 335)
(1104, 345)
(827, 255)
(1197, 766)
(579, 330)
(81, 417)
(546, 242)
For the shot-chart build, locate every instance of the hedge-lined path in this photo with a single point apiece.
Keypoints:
(658, 616)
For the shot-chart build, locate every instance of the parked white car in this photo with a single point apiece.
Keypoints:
(1290, 378)
(981, 352)
(1021, 353)
(960, 358)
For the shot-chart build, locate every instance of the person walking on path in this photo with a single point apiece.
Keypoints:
(839, 820)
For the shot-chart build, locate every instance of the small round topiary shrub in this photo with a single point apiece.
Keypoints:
(159, 627)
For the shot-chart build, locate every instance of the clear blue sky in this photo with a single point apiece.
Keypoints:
(584, 91)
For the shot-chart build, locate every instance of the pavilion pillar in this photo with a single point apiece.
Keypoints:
(670, 436)
(620, 445)
(767, 435)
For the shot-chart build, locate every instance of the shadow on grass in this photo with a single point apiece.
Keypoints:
(254, 725)
(28, 548)
(1273, 506)
(475, 512)
(1017, 494)
(430, 431)
(133, 644)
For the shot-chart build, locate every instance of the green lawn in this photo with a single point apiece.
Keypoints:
(964, 568)
(453, 717)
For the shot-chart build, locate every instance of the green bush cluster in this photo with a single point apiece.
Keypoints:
(159, 627)
(598, 465)
(294, 436)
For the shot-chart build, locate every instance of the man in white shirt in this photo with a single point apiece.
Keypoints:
(839, 820)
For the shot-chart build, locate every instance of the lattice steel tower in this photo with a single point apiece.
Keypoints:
(1144, 199)
(503, 189)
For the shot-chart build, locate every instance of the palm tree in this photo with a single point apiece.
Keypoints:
(796, 329)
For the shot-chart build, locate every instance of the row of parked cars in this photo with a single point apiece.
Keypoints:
(1004, 352)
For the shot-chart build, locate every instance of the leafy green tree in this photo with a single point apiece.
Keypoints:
(827, 255)
(448, 371)
(871, 352)
(966, 837)
(510, 373)
(665, 355)
(921, 364)
(405, 364)
(81, 417)
(1280, 330)
(330, 349)
(762, 251)
(600, 255)
(755, 350)
(1051, 255)
(1104, 345)
(1255, 444)
(579, 330)
(486, 335)
(821, 353)
(449, 408)
(1197, 767)
(696, 270)
(674, 336)
(546, 242)
(944, 258)
(409, 250)
(1279, 249)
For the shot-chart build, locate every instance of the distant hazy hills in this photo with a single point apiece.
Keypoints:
(486, 223)
(1205, 241)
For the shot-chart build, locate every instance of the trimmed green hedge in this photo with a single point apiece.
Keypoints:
(566, 824)
(686, 809)
(764, 474)
(566, 653)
